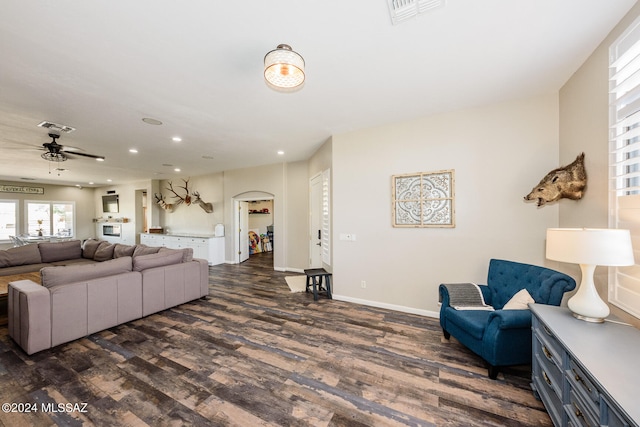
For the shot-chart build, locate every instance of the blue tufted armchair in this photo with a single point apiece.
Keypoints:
(503, 337)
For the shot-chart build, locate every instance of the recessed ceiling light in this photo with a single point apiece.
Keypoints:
(151, 121)
(280, 153)
(177, 169)
(90, 183)
(109, 180)
(133, 150)
(99, 159)
(176, 139)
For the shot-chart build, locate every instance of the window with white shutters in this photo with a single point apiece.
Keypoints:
(326, 217)
(624, 161)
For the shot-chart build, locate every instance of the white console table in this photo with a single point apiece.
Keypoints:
(587, 374)
(206, 247)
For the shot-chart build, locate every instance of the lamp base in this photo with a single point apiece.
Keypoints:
(586, 304)
(588, 319)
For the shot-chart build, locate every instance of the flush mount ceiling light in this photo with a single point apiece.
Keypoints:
(283, 68)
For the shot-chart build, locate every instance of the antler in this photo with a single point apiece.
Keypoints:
(187, 197)
(177, 196)
(160, 200)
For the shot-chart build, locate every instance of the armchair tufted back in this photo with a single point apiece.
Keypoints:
(506, 278)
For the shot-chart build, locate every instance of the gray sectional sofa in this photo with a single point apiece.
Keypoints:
(88, 296)
(32, 257)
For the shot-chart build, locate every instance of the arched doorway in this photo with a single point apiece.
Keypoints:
(242, 225)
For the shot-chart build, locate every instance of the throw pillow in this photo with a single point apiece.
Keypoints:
(123, 250)
(145, 250)
(104, 252)
(519, 301)
(187, 253)
(89, 248)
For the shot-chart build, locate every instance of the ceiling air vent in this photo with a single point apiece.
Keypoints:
(56, 127)
(401, 10)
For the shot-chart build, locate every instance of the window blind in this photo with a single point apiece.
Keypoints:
(624, 161)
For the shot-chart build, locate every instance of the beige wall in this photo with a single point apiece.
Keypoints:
(193, 219)
(499, 152)
(288, 183)
(84, 199)
(297, 216)
(584, 112)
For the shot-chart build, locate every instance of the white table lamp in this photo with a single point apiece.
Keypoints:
(589, 247)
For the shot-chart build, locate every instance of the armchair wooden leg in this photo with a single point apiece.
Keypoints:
(493, 372)
(446, 334)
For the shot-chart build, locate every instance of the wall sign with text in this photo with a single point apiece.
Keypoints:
(21, 189)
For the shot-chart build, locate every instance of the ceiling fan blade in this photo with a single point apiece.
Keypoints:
(77, 153)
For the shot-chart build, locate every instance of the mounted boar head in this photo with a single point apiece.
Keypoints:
(565, 182)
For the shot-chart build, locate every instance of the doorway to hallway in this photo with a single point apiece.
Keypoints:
(254, 233)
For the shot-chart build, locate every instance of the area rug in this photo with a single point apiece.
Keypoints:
(296, 283)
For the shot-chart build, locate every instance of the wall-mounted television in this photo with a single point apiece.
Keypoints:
(110, 203)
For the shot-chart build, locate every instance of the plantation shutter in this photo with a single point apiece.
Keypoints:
(624, 161)
(326, 217)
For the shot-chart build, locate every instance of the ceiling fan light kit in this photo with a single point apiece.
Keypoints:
(284, 68)
(55, 152)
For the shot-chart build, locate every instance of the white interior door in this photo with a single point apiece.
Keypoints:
(243, 231)
(315, 222)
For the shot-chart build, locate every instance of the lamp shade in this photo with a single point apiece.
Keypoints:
(591, 246)
(284, 68)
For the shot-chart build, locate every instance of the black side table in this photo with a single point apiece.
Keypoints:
(314, 278)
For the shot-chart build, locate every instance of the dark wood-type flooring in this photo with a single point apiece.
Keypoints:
(254, 354)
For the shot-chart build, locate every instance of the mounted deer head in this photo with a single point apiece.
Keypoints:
(177, 196)
(160, 200)
(208, 207)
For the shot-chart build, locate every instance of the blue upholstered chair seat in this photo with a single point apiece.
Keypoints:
(473, 322)
(503, 337)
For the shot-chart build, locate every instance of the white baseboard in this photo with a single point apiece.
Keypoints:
(393, 307)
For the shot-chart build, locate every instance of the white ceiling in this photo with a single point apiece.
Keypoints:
(102, 65)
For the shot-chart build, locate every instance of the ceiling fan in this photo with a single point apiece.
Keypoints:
(55, 152)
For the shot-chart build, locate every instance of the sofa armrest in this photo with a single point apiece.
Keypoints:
(507, 338)
(29, 310)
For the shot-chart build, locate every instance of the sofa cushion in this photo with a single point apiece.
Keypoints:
(143, 262)
(71, 262)
(52, 276)
(89, 248)
(58, 251)
(20, 269)
(187, 253)
(472, 322)
(104, 251)
(123, 250)
(22, 255)
(145, 250)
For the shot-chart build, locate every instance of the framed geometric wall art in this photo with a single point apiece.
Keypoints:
(424, 199)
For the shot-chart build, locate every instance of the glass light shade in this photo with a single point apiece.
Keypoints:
(284, 68)
(593, 246)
